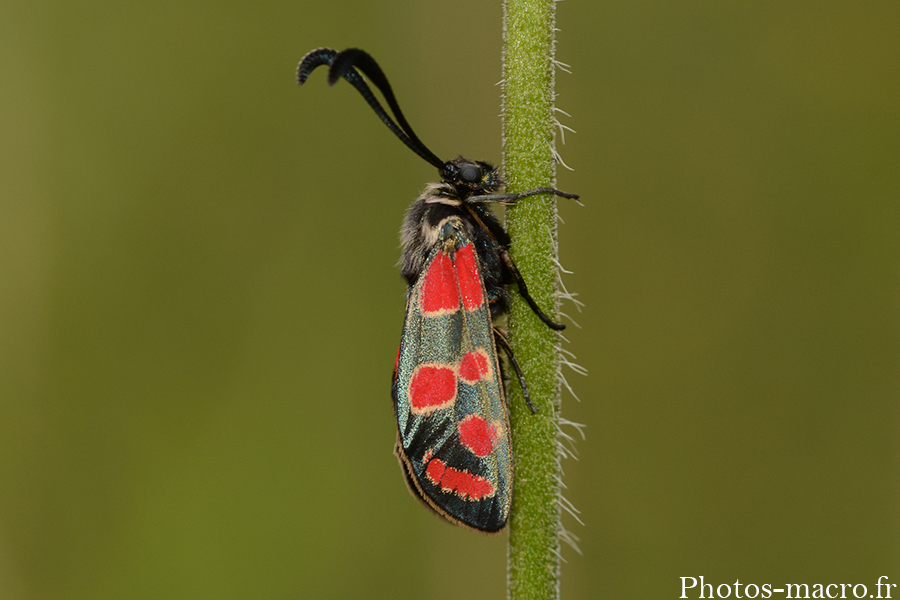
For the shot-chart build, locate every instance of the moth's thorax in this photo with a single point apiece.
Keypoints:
(442, 193)
(422, 227)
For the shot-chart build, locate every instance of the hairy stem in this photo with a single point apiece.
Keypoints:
(528, 151)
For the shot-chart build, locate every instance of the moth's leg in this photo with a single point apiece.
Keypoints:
(503, 342)
(523, 291)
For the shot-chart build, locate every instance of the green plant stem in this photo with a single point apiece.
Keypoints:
(528, 92)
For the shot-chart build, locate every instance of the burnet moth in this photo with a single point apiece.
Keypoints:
(453, 438)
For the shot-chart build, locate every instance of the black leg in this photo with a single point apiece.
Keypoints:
(523, 291)
(502, 341)
(510, 199)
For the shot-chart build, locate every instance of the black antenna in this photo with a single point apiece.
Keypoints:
(342, 65)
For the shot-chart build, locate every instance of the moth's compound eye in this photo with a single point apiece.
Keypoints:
(470, 173)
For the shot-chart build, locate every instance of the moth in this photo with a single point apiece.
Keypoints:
(453, 438)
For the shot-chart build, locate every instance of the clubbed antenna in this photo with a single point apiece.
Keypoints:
(344, 64)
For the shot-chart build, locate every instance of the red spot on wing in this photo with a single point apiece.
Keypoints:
(439, 290)
(462, 483)
(478, 435)
(432, 387)
(470, 287)
(475, 366)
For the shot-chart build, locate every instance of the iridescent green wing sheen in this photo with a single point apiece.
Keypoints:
(453, 430)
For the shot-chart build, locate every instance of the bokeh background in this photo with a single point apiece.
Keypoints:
(199, 308)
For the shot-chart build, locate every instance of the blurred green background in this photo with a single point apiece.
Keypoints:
(199, 305)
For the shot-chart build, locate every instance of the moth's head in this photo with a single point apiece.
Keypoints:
(473, 177)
